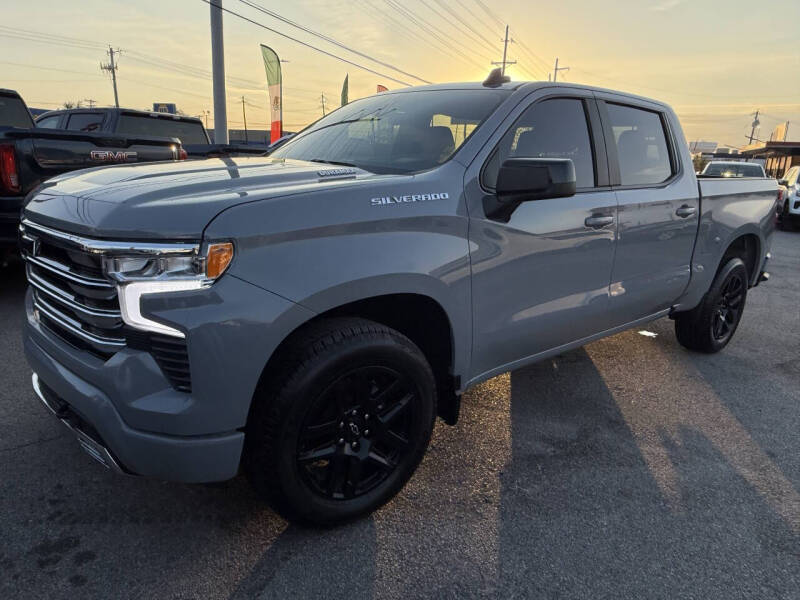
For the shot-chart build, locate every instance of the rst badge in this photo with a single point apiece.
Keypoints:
(383, 200)
(111, 156)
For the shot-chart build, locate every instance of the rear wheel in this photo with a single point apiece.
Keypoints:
(785, 217)
(344, 426)
(711, 325)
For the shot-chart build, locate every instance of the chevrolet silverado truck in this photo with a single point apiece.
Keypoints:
(125, 121)
(305, 316)
(30, 155)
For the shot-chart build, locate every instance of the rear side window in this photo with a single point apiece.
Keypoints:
(13, 113)
(188, 132)
(641, 145)
(85, 122)
(49, 122)
(554, 128)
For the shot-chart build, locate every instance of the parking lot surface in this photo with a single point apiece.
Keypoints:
(630, 468)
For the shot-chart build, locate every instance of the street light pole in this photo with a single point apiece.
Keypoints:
(218, 72)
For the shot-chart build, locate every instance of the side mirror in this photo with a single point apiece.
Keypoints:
(523, 179)
(783, 182)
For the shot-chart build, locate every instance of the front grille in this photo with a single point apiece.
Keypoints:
(70, 294)
(75, 301)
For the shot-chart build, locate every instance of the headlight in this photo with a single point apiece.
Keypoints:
(178, 269)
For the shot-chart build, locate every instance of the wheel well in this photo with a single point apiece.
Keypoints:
(418, 317)
(745, 247)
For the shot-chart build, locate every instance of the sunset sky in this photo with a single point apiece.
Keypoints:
(715, 62)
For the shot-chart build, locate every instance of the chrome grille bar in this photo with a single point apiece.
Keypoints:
(68, 299)
(64, 271)
(74, 326)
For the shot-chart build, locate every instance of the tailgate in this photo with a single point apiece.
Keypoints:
(43, 154)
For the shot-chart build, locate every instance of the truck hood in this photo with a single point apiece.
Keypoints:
(174, 200)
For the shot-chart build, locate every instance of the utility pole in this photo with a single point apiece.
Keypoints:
(90, 101)
(322, 97)
(111, 67)
(244, 116)
(505, 54)
(557, 69)
(218, 74)
(756, 123)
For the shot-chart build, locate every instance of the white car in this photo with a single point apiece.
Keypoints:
(789, 210)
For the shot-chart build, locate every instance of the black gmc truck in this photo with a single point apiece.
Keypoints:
(29, 155)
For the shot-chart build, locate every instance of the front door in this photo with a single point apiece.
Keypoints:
(540, 276)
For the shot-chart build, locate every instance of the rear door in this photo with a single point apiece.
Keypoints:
(540, 276)
(658, 206)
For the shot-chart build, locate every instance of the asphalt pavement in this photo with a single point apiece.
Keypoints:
(630, 468)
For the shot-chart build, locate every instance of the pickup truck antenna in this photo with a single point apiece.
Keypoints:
(496, 78)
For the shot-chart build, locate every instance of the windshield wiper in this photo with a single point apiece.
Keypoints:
(333, 162)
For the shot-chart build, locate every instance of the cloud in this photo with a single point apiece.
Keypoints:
(665, 5)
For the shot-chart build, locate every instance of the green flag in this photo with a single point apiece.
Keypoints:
(345, 90)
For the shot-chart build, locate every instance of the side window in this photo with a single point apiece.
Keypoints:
(554, 128)
(793, 173)
(48, 122)
(85, 122)
(641, 145)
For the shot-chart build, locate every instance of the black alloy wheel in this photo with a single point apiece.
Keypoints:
(710, 325)
(342, 422)
(729, 307)
(356, 432)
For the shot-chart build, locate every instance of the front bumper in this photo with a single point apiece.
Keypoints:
(100, 430)
(127, 406)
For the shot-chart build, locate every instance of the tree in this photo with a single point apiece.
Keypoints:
(70, 104)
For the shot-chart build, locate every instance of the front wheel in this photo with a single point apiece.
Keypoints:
(711, 325)
(345, 423)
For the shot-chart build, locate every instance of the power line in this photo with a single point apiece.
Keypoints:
(466, 24)
(489, 12)
(533, 55)
(328, 39)
(432, 30)
(307, 45)
(470, 50)
(383, 16)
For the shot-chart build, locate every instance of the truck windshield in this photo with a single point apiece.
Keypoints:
(14, 114)
(395, 133)
(733, 170)
(188, 132)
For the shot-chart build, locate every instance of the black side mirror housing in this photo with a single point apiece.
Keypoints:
(783, 182)
(523, 179)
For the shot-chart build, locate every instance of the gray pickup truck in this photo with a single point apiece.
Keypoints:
(306, 316)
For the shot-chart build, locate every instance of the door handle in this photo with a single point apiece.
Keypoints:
(685, 211)
(597, 221)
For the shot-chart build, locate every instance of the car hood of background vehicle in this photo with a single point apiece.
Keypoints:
(173, 200)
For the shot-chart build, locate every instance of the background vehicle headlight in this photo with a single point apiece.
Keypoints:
(164, 271)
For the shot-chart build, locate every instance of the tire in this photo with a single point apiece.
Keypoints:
(710, 326)
(783, 217)
(344, 423)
